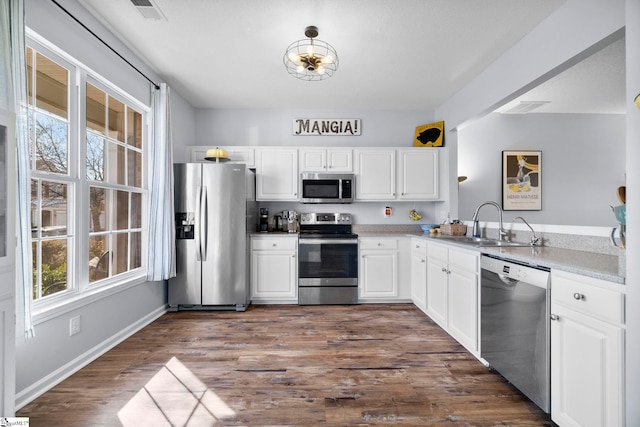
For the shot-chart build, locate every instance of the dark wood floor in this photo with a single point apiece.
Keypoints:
(287, 365)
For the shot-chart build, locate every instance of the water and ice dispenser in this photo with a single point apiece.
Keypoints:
(185, 223)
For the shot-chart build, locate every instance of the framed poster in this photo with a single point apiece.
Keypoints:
(521, 180)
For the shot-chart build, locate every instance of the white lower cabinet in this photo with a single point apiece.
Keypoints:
(419, 273)
(452, 292)
(378, 268)
(587, 358)
(274, 269)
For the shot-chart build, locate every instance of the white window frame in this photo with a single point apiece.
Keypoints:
(81, 292)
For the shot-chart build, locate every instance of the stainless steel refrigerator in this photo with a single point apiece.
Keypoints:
(215, 212)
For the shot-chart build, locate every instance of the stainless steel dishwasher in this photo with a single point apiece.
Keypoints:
(515, 325)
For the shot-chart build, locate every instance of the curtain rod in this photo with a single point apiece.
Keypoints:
(156, 85)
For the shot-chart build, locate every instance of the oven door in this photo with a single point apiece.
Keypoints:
(327, 271)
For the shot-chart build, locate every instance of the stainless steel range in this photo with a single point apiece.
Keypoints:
(327, 259)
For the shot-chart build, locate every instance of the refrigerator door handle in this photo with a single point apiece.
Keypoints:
(205, 224)
(198, 219)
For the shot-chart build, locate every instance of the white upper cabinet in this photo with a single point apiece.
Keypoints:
(326, 160)
(418, 174)
(376, 174)
(277, 174)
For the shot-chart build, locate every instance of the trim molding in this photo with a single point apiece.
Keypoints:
(36, 389)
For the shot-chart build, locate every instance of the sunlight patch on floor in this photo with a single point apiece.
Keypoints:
(174, 397)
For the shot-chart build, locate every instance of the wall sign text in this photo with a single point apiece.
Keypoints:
(341, 127)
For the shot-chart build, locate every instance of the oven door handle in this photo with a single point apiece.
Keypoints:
(328, 241)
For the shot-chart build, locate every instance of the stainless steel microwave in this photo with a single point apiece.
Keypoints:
(327, 187)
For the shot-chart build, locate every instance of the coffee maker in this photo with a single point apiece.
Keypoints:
(264, 219)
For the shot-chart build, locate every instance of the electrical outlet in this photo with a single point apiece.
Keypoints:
(74, 325)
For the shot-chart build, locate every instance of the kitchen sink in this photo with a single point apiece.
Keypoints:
(482, 241)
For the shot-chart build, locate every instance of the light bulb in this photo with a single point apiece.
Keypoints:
(310, 50)
(300, 68)
(320, 70)
(327, 59)
(294, 57)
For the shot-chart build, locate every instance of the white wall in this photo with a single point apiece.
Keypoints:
(633, 213)
(583, 162)
(274, 127)
(52, 354)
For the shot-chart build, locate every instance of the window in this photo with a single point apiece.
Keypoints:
(87, 192)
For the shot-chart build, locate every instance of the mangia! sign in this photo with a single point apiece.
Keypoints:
(342, 127)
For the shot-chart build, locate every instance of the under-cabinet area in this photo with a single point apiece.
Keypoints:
(583, 321)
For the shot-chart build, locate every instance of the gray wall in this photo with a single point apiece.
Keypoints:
(52, 354)
(583, 162)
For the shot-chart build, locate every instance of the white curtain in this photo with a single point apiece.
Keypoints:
(13, 51)
(161, 243)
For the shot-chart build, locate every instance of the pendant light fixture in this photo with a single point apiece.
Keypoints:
(310, 59)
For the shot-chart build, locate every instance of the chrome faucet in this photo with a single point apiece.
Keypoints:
(476, 225)
(534, 239)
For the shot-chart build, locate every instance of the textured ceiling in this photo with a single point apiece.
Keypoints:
(394, 55)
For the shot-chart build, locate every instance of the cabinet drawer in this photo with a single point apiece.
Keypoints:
(284, 243)
(440, 252)
(605, 304)
(463, 260)
(419, 246)
(381, 243)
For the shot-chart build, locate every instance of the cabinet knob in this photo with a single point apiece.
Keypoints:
(554, 317)
(444, 270)
(423, 261)
(275, 244)
(578, 296)
(379, 244)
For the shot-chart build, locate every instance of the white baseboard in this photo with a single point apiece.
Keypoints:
(38, 388)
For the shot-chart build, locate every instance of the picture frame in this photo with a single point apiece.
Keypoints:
(429, 135)
(521, 180)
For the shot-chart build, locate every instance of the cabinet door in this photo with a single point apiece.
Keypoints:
(463, 306)
(418, 174)
(376, 175)
(277, 174)
(313, 160)
(586, 370)
(339, 160)
(378, 274)
(419, 279)
(437, 294)
(273, 275)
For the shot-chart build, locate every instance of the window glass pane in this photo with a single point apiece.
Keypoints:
(136, 250)
(121, 253)
(136, 210)
(115, 167)
(52, 86)
(98, 212)
(54, 209)
(99, 258)
(134, 166)
(51, 144)
(34, 281)
(121, 209)
(54, 266)
(116, 119)
(134, 128)
(96, 109)
(95, 157)
(29, 59)
(35, 213)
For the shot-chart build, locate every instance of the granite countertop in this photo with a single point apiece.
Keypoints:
(590, 264)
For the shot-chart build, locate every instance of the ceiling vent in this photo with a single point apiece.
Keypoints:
(521, 107)
(149, 9)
